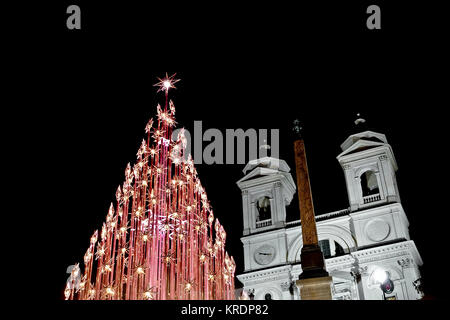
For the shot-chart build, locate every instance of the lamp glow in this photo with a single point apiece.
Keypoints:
(379, 275)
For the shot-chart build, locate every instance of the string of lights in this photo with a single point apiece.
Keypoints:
(161, 240)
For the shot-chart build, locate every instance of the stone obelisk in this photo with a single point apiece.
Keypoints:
(314, 282)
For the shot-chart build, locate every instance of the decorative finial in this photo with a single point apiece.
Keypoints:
(359, 119)
(297, 128)
(265, 146)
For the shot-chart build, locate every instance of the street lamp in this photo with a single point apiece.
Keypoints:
(382, 278)
(387, 286)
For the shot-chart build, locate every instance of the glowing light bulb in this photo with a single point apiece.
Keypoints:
(87, 258)
(166, 83)
(110, 291)
(67, 292)
(138, 212)
(210, 218)
(148, 295)
(379, 275)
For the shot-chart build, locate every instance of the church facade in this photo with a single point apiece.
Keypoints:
(367, 247)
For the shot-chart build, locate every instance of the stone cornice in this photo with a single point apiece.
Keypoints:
(375, 254)
(271, 234)
(345, 158)
(352, 139)
(388, 251)
(255, 277)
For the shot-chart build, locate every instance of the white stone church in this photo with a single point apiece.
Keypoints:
(363, 245)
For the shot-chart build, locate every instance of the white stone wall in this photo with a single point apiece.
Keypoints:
(400, 260)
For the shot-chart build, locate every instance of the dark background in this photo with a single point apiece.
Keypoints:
(89, 95)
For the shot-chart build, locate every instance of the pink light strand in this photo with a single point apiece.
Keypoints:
(166, 264)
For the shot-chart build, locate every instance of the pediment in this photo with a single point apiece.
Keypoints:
(366, 136)
(361, 145)
(258, 172)
(267, 162)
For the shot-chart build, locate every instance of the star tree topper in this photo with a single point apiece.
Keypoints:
(167, 83)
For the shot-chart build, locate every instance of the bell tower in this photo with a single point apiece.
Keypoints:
(267, 189)
(369, 166)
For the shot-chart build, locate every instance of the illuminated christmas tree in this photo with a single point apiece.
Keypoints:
(158, 240)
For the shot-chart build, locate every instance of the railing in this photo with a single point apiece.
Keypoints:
(263, 223)
(325, 216)
(293, 223)
(333, 214)
(372, 198)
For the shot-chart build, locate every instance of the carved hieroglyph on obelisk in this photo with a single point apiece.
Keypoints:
(314, 282)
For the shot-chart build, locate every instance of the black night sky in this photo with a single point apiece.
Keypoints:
(90, 112)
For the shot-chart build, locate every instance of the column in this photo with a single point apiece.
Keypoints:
(246, 212)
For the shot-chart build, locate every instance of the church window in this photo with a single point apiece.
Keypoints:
(369, 183)
(263, 206)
